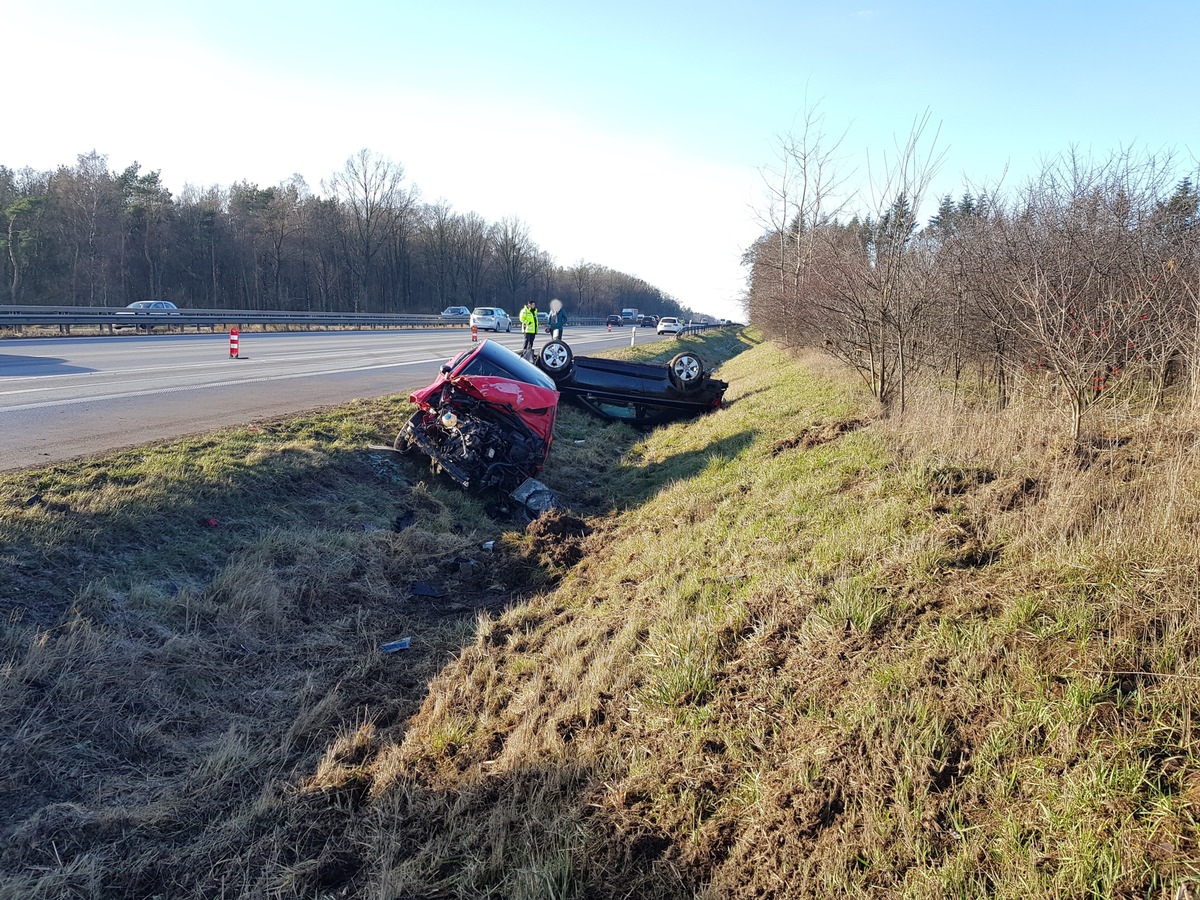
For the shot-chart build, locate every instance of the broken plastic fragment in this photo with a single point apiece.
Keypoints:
(536, 497)
(393, 646)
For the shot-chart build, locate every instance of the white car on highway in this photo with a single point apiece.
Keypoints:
(490, 318)
(669, 325)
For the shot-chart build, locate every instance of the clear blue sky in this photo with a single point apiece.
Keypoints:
(631, 135)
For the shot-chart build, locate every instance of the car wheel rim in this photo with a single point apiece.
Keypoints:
(688, 369)
(555, 357)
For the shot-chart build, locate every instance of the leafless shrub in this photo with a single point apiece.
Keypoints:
(1080, 288)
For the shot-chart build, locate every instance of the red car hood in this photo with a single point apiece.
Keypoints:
(536, 406)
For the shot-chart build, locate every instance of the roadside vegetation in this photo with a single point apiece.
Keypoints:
(1081, 283)
(792, 648)
(363, 242)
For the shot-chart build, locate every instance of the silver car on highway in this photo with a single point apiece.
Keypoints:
(490, 318)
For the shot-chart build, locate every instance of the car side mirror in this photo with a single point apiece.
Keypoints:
(446, 370)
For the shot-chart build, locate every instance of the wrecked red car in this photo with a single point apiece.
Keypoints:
(487, 421)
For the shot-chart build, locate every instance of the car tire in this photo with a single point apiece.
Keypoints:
(686, 371)
(555, 359)
(403, 442)
(508, 330)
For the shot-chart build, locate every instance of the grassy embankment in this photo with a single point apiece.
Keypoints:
(787, 649)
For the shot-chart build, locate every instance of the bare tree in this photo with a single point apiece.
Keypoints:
(584, 280)
(862, 289)
(284, 221)
(438, 246)
(473, 242)
(965, 332)
(801, 190)
(1177, 236)
(1081, 279)
(90, 212)
(516, 257)
(370, 191)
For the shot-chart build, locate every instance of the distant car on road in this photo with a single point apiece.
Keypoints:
(614, 320)
(669, 325)
(490, 318)
(146, 308)
(455, 312)
(152, 305)
(543, 319)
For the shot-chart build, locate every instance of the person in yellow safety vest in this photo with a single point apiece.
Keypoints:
(529, 325)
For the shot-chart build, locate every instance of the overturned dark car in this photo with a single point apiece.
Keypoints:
(638, 393)
(487, 421)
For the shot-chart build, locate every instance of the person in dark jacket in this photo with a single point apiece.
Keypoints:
(558, 318)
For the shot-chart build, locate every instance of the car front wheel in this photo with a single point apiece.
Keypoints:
(555, 358)
(686, 371)
(403, 443)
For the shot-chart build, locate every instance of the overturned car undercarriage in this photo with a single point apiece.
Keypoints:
(641, 394)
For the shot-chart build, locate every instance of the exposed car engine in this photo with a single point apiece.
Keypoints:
(478, 444)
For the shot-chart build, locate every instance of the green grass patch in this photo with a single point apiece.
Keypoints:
(777, 651)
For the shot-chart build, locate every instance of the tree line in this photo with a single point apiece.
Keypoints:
(1081, 284)
(87, 236)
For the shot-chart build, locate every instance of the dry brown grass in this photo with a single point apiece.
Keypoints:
(791, 649)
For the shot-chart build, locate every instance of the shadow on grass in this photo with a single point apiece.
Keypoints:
(497, 834)
(633, 485)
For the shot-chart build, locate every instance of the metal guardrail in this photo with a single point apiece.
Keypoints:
(120, 317)
(110, 319)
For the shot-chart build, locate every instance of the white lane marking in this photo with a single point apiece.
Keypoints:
(131, 376)
(158, 370)
(70, 401)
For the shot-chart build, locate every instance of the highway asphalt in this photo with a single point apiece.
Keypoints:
(68, 397)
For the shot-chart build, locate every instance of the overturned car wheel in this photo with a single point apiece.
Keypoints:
(686, 371)
(555, 358)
